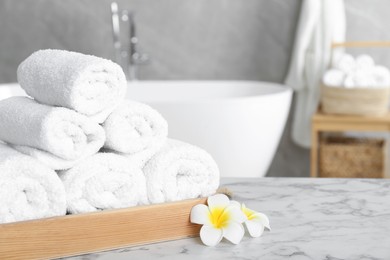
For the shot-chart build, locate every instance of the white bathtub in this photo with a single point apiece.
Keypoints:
(239, 122)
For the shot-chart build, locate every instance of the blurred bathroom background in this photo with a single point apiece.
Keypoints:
(187, 40)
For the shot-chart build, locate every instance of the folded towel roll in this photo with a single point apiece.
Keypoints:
(135, 129)
(333, 78)
(363, 78)
(381, 76)
(50, 160)
(180, 171)
(346, 63)
(138, 159)
(364, 62)
(28, 189)
(90, 85)
(35, 128)
(103, 181)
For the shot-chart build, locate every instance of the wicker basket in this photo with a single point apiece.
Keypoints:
(345, 157)
(355, 101)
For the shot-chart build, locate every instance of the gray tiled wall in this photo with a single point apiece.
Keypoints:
(187, 39)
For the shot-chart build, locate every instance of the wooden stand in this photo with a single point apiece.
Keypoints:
(337, 123)
(106, 230)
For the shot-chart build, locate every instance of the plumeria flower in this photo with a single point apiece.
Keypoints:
(255, 221)
(220, 219)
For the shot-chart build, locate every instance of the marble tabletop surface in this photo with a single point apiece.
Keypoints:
(310, 218)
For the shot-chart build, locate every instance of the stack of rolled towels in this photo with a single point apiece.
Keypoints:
(359, 72)
(75, 145)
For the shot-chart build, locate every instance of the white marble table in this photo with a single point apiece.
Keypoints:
(310, 219)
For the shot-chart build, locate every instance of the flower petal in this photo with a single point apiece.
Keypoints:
(255, 228)
(235, 203)
(262, 218)
(248, 212)
(210, 236)
(218, 200)
(200, 214)
(235, 214)
(234, 232)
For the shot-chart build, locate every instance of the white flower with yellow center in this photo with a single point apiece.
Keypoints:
(255, 221)
(220, 219)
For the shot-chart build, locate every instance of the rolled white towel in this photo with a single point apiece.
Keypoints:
(28, 189)
(333, 78)
(135, 127)
(50, 160)
(103, 181)
(90, 85)
(363, 78)
(138, 159)
(180, 171)
(349, 82)
(345, 63)
(364, 62)
(38, 129)
(381, 76)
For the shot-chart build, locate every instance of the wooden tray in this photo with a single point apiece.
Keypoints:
(98, 231)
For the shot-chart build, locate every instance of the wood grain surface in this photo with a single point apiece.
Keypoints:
(99, 231)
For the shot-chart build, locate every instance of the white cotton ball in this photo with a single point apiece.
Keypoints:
(364, 61)
(333, 78)
(346, 63)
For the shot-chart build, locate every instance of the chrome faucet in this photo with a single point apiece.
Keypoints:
(129, 58)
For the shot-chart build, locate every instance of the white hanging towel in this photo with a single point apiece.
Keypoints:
(320, 24)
